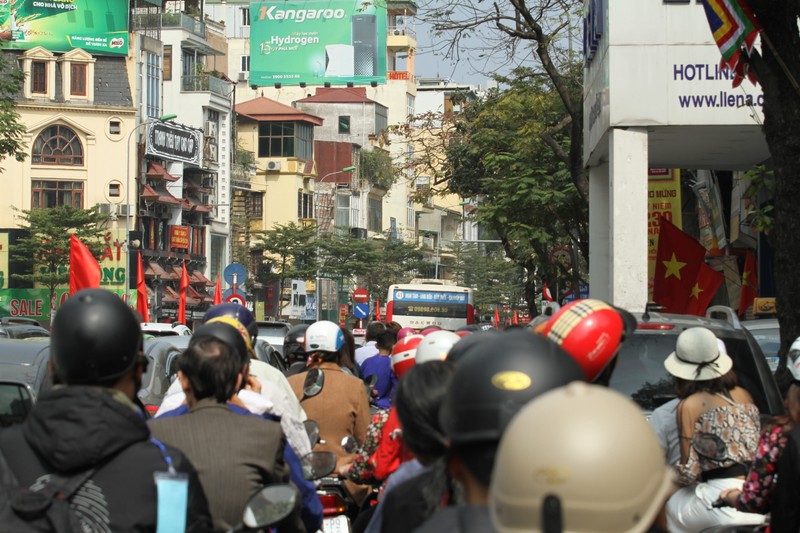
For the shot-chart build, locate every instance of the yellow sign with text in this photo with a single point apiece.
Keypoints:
(663, 200)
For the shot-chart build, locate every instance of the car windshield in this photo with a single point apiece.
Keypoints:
(769, 339)
(15, 403)
(640, 372)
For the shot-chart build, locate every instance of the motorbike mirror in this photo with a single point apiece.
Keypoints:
(313, 383)
(312, 430)
(269, 506)
(709, 445)
(349, 444)
(317, 465)
(371, 380)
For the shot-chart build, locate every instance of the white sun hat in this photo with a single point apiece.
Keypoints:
(698, 356)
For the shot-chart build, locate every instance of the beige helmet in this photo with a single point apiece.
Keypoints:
(586, 449)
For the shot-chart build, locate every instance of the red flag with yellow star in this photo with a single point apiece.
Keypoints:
(749, 283)
(678, 263)
(706, 284)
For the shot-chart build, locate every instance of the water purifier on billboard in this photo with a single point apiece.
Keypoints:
(339, 61)
(365, 44)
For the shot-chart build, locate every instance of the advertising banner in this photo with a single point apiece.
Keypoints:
(179, 237)
(336, 41)
(61, 25)
(664, 200)
(174, 142)
(4, 274)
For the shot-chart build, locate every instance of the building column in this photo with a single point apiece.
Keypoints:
(599, 233)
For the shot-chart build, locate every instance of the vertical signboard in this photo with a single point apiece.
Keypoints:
(336, 41)
(664, 200)
(61, 25)
(4, 274)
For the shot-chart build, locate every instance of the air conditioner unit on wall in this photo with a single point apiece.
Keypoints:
(244, 76)
(211, 129)
(107, 209)
(273, 166)
(127, 210)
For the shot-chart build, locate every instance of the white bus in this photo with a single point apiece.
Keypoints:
(418, 305)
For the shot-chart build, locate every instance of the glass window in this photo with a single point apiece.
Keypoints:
(153, 85)
(167, 61)
(374, 214)
(411, 221)
(39, 77)
(344, 124)
(57, 145)
(77, 79)
(256, 204)
(381, 119)
(305, 205)
(410, 104)
(343, 210)
(15, 404)
(46, 194)
(244, 63)
(245, 15)
(285, 139)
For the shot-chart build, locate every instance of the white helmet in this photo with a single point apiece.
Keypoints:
(793, 360)
(323, 336)
(434, 346)
(582, 454)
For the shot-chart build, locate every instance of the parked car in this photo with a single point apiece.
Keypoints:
(640, 371)
(767, 334)
(23, 377)
(273, 332)
(21, 328)
(162, 369)
(158, 329)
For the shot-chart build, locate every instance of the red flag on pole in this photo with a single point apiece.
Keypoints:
(377, 310)
(678, 263)
(84, 270)
(546, 292)
(141, 292)
(706, 284)
(516, 318)
(184, 284)
(218, 292)
(749, 282)
(496, 318)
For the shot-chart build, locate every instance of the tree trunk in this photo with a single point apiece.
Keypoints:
(778, 70)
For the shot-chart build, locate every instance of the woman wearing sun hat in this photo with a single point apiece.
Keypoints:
(718, 428)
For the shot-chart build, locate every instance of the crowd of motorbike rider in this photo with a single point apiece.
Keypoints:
(431, 430)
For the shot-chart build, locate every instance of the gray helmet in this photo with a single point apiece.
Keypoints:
(96, 338)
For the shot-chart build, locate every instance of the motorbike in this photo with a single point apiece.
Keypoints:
(267, 507)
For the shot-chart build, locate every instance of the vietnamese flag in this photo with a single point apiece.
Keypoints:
(496, 318)
(218, 292)
(516, 318)
(84, 270)
(546, 292)
(678, 262)
(706, 284)
(141, 292)
(749, 282)
(184, 284)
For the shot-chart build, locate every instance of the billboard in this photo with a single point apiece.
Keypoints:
(336, 41)
(61, 25)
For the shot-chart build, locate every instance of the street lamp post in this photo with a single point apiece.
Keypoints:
(126, 288)
(318, 284)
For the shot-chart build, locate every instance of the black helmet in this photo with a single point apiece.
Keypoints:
(237, 311)
(496, 376)
(463, 346)
(96, 338)
(294, 343)
(225, 333)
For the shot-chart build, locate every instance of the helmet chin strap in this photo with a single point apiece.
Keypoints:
(551, 515)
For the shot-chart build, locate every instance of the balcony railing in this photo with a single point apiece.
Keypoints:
(402, 30)
(181, 20)
(205, 83)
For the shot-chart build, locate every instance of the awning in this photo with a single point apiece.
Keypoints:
(163, 197)
(188, 205)
(157, 172)
(153, 269)
(192, 296)
(199, 279)
(192, 187)
(203, 296)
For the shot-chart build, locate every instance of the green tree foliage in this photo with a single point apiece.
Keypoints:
(377, 168)
(496, 279)
(505, 152)
(11, 131)
(371, 264)
(289, 251)
(46, 248)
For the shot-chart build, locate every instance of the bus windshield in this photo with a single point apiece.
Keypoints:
(420, 305)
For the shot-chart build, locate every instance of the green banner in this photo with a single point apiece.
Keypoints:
(60, 26)
(35, 303)
(336, 41)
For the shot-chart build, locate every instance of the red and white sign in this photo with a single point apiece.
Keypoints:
(360, 296)
(236, 298)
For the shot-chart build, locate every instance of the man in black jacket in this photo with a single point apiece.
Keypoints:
(91, 421)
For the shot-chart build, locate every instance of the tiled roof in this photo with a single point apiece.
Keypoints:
(263, 109)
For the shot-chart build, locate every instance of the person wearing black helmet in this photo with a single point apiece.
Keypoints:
(496, 376)
(294, 349)
(90, 424)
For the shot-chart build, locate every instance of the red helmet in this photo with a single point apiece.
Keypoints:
(591, 331)
(402, 332)
(427, 330)
(404, 354)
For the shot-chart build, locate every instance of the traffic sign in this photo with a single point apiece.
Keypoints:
(237, 298)
(361, 311)
(235, 274)
(360, 296)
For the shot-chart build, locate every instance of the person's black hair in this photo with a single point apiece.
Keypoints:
(386, 340)
(374, 329)
(418, 399)
(212, 369)
(478, 458)
(347, 353)
(721, 385)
